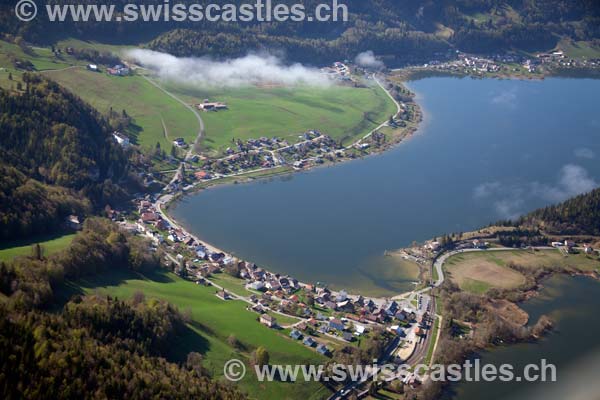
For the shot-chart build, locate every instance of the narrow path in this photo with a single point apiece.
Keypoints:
(201, 131)
(165, 130)
(385, 123)
(60, 69)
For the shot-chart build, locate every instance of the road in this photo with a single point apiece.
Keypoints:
(189, 107)
(398, 109)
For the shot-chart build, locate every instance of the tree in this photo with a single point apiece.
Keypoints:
(260, 357)
(173, 151)
(37, 252)
(233, 341)
(139, 297)
(10, 77)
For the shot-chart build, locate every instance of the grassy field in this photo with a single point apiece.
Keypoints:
(283, 319)
(213, 320)
(231, 284)
(579, 49)
(50, 245)
(340, 111)
(478, 271)
(477, 274)
(146, 104)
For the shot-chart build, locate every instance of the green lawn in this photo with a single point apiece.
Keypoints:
(433, 333)
(213, 321)
(342, 112)
(50, 244)
(579, 49)
(283, 319)
(231, 284)
(145, 103)
(42, 58)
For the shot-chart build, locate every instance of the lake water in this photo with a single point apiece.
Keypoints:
(573, 347)
(487, 150)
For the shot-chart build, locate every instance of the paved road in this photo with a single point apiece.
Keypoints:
(398, 109)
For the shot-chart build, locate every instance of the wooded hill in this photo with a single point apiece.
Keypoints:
(92, 347)
(402, 31)
(577, 216)
(57, 157)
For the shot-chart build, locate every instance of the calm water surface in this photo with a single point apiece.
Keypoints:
(488, 149)
(573, 347)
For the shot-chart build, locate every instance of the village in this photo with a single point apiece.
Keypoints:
(508, 64)
(312, 314)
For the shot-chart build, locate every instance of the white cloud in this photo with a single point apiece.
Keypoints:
(367, 59)
(584, 152)
(509, 199)
(573, 180)
(252, 69)
(506, 98)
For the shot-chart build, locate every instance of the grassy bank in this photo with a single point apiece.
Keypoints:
(479, 271)
(147, 105)
(50, 244)
(343, 112)
(213, 321)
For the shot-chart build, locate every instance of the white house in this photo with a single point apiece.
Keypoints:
(121, 139)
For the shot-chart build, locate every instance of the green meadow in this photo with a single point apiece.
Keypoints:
(345, 113)
(213, 321)
(50, 244)
(146, 104)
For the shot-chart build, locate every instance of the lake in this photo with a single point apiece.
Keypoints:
(573, 347)
(487, 150)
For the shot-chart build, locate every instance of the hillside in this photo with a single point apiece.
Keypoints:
(57, 155)
(411, 31)
(577, 216)
(93, 347)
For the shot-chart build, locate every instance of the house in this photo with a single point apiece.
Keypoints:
(331, 304)
(202, 175)
(121, 139)
(479, 244)
(347, 336)
(345, 306)
(301, 326)
(391, 308)
(359, 330)
(336, 324)
(148, 217)
(256, 285)
(211, 106)
(223, 295)
(72, 221)
(161, 224)
(295, 334)
(309, 341)
(179, 142)
(342, 296)
(321, 348)
(268, 320)
(118, 70)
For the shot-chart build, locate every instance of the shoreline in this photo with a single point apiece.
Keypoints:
(250, 176)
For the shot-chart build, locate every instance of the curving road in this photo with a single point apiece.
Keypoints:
(189, 107)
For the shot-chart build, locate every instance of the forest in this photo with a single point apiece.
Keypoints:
(92, 346)
(405, 31)
(57, 158)
(579, 215)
